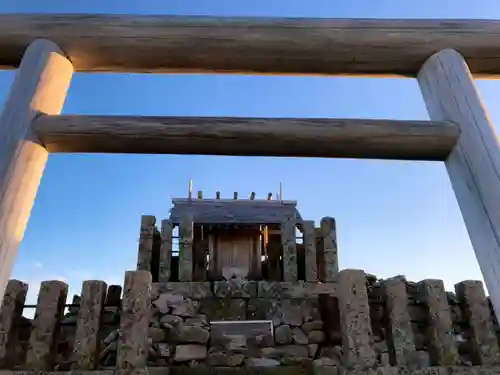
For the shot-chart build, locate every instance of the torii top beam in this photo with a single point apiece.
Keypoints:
(166, 44)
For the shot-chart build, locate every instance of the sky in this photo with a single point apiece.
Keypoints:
(392, 217)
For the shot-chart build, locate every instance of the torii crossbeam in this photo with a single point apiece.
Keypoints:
(442, 54)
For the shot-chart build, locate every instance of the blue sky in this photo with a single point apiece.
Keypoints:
(393, 217)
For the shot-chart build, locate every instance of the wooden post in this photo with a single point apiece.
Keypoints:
(256, 257)
(186, 249)
(474, 164)
(40, 86)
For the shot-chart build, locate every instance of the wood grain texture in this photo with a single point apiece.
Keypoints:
(40, 86)
(348, 138)
(163, 44)
(474, 165)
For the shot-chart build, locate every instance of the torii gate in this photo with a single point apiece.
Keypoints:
(47, 49)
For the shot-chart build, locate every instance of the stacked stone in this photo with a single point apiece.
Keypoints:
(389, 322)
(178, 331)
(42, 349)
(378, 313)
(109, 321)
(418, 316)
(230, 302)
(108, 334)
(482, 344)
(298, 330)
(401, 329)
(13, 338)
(459, 327)
(180, 334)
(66, 336)
(442, 323)
(494, 320)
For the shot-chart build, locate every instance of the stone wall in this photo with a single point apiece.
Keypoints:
(356, 321)
(281, 370)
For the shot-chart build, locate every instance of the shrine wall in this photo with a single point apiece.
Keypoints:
(312, 257)
(357, 321)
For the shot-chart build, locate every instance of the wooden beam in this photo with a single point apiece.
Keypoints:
(474, 164)
(347, 138)
(40, 86)
(165, 44)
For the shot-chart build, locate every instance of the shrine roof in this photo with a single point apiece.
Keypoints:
(232, 211)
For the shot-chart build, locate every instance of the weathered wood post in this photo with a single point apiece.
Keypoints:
(474, 164)
(186, 249)
(40, 86)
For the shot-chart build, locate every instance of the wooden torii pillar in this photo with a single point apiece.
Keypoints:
(460, 132)
(473, 166)
(40, 87)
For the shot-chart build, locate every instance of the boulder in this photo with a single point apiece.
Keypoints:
(225, 359)
(198, 320)
(292, 314)
(261, 362)
(186, 308)
(380, 347)
(166, 300)
(193, 334)
(316, 337)
(164, 350)
(384, 359)
(313, 349)
(113, 336)
(173, 320)
(235, 289)
(299, 337)
(270, 353)
(325, 361)
(294, 354)
(283, 335)
(156, 334)
(185, 353)
(331, 352)
(423, 359)
(315, 325)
